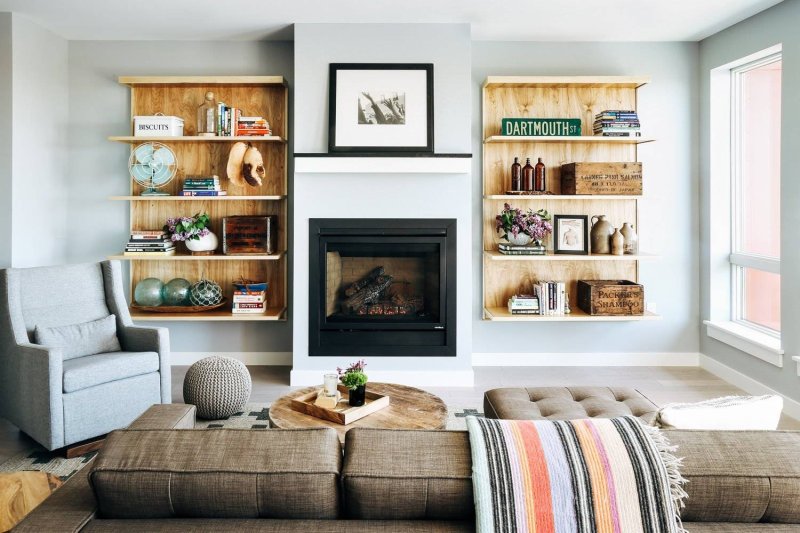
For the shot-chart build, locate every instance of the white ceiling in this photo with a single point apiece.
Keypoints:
(498, 20)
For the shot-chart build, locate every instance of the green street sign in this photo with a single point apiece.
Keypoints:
(541, 127)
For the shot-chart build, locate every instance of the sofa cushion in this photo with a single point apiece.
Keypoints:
(218, 525)
(740, 476)
(84, 372)
(407, 475)
(78, 340)
(218, 473)
(567, 403)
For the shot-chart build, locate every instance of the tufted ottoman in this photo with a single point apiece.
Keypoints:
(567, 403)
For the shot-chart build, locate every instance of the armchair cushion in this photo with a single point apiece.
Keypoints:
(84, 372)
(78, 340)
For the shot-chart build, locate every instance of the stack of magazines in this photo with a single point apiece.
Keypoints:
(617, 123)
(149, 243)
(523, 304)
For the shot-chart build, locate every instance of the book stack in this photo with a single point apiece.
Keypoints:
(233, 124)
(514, 249)
(617, 123)
(523, 304)
(202, 186)
(149, 243)
(249, 302)
(552, 297)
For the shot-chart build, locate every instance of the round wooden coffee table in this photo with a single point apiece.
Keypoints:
(409, 408)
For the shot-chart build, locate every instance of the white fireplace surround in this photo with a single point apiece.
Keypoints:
(385, 193)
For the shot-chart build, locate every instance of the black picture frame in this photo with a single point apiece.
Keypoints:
(334, 70)
(558, 246)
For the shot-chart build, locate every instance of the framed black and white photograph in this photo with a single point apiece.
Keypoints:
(381, 107)
(571, 234)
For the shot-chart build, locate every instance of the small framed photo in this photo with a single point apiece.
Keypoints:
(571, 234)
(380, 107)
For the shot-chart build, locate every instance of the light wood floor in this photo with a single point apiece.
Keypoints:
(661, 384)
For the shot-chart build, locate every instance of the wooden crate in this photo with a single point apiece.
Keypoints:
(602, 178)
(342, 413)
(611, 297)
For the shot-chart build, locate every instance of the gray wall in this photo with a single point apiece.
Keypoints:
(773, 26)
(100, 107)
(5, 139)
(668, 108)
(39, 103)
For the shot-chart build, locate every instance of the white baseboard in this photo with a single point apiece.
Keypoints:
(416, 378)
(586, 359)
(248, 358)
(734, 377)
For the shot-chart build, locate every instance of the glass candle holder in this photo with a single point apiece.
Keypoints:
(331, 384)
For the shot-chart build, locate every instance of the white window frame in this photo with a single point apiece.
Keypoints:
(727, 261)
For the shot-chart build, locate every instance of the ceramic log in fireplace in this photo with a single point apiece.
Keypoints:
(382, 287)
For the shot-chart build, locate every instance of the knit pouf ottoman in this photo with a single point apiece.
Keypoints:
(217, 386)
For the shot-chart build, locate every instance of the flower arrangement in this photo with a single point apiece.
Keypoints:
(188, 228)
(514, 222)
(353, 376)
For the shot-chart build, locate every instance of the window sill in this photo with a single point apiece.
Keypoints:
(755, 343)
(796, 359)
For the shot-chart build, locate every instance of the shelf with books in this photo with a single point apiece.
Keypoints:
(130, 139)
(234, 198)
(590, 99)
(497, 256)
(188, 257)
(199, 159)
(567, 139)
(217, 315)
(501, 314)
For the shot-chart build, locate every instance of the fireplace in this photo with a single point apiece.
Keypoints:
(382, 287)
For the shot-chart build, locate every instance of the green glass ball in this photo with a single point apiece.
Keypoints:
(205, 292)
(148, 292)
(176, 292)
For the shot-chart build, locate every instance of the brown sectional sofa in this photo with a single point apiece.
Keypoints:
(383, 481)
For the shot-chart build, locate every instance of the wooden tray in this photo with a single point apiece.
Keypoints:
(342, 413)
(178, 308)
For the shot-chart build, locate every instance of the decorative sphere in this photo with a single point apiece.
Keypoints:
(148, 292)
(176, 292)
(205, 292)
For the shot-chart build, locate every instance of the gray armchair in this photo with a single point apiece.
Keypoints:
(60, 401)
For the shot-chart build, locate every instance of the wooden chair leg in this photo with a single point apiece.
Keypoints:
(84, 447)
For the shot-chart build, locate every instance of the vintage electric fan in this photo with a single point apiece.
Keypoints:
(152, 165)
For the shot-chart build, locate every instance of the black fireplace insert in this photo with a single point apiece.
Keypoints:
(382, 287)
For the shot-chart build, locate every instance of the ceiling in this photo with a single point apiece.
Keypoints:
(499, 20)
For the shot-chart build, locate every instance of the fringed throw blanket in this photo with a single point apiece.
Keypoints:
(596, 475)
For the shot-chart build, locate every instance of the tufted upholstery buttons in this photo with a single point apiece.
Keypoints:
(567, 403)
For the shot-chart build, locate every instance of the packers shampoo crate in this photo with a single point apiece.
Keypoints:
(612, 297)
(601, 178)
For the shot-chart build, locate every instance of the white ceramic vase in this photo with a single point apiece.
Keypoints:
(205, 244)
(521, 239)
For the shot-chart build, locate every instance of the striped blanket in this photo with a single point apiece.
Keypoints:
(595, 475)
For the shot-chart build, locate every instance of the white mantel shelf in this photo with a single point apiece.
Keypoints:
(436, 164)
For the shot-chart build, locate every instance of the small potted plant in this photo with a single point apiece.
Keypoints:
(520, 228)
(194, 231)
(354, 378)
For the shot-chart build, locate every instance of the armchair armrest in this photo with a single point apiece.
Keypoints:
(143, 339)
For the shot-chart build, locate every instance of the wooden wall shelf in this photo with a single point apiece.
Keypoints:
(179, 96)
(272, 314)
(497, 256)
(130, 139)
(237, 198)
(501, 314)
(567, 139)
(553, 97)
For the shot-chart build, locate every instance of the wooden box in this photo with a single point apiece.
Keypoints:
(246, 235)
(601, 178)
(342, 413)
(611, 297)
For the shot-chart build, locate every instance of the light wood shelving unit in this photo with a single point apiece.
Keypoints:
(553, 97)
(180, 96)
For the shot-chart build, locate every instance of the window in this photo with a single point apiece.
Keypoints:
(755, 175)
(744, 283)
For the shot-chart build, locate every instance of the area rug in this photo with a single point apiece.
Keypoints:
(253, 416)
